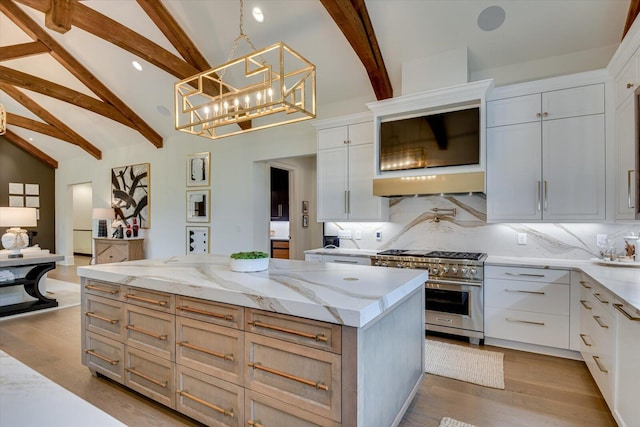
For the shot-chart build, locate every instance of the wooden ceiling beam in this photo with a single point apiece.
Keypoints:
(22, 50)
(58, 17)
(30, 149)
(634, 8)
(30, 27)
(36, 126)
(352, 18)
(49, 118)
(62, 93)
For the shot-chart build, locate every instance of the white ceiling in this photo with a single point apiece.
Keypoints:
(534, 32)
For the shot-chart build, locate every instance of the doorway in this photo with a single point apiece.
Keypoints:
(280, 184)
(82, 222)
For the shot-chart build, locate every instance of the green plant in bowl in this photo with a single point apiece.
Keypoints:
(249, 255)
(246, 262)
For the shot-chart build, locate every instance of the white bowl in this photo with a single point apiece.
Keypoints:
(249, 265)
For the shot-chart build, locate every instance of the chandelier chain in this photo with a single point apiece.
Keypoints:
(241, 36)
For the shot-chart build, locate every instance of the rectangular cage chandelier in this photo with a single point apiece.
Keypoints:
(266, 88)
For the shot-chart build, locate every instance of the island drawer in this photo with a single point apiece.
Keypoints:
(212, 349)
(528, 274)
(150, 375)
(550, 330)
(108, 290)
(304, 377)
(209, 400)
(150, 299)
(272, 412)
(105, 356)
(104, 316)
(209, 311)
(529, 296)
(312, 333)
(150, 330)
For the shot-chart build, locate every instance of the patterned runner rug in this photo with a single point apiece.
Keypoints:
(450, 422)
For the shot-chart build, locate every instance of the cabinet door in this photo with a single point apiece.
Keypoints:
(625, 144)
(573, 155)
(514, 172)
(333, 137)
(510, 111)
(360, 133)
(573, 102)
(332, 184)
(363, 205)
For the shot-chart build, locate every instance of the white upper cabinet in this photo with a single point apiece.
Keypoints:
(546, 156)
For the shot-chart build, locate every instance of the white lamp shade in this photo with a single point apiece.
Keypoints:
(103, 213)
(18, 217)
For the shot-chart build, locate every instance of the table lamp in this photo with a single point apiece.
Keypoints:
(102, 215)
(16, 238)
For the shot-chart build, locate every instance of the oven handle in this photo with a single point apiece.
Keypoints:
(453, 282)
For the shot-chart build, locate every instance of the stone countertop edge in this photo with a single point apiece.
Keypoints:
(622, 281)
(350, 295)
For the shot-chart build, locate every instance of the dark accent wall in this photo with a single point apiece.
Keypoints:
(16, 165)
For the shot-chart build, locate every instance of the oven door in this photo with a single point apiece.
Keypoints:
(454, 307)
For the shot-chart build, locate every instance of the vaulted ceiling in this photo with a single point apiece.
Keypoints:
(70, 90)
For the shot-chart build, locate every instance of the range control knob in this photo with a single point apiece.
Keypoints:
(473, 271)
(464, 271)
(445, 269)
(454, 269)
(435, 271)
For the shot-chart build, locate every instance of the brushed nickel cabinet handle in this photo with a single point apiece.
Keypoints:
(346, 202)
(92, 352)
(524, 274)
(316, 337)
(145, 332)
(529, 322)
(104, 319)
(99, 289)
(545, 114)
(546, 196)
(204, 350)
(216, 408)
(584, 340)
(524, 292)
(599, 365)
(584, 284)
(317, 384)
(149, 300)
(627, 315)
(186, 308)
(146, 377)
(599, 298)
(629, 172)
(599, 322)
(585, 304)
(539, 199)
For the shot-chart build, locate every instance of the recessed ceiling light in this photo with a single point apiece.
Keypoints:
(163, 110)
(257, 14)
(491, 18)
(30, 139)
(136, 65)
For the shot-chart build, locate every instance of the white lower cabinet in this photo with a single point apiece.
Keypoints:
(626, 408)
(339, 259)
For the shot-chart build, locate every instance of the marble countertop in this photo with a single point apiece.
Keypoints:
(27, 398)
(623, 281)
(351, 295)
(365, 253)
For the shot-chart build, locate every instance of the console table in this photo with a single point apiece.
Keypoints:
(28, 270)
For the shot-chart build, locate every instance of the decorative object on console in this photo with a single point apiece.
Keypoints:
(16, 238)
(102, 215)
(198, 169)
(263, 94)
(247, 262)
(130, 193)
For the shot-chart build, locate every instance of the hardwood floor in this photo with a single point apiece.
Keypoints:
(539, 390)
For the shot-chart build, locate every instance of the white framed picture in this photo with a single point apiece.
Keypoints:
(198, 204)
(198, 170)
(197, 240)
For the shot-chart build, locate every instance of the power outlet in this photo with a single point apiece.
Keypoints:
(522, 238)
(358, 234)
(344, 234)
(378, 235)
(601, 240)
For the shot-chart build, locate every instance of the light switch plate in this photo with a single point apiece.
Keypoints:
(522, 238)
(378, 235)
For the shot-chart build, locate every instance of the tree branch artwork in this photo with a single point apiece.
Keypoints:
(130, 191)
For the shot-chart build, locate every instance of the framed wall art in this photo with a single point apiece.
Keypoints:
(198, 205)
(197, 240)
(130, 193)
(198, 169)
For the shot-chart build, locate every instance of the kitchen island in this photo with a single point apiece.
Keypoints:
(301, 344)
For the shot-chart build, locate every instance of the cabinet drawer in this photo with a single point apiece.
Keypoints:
(280, 244)
(150, 330)
(214, 350)
(209, 400)
(105, 356)
(311, 333)
(112, 252)
(527, 274)
(270, 412)
(523, 326)
(280, 253)
(109, 290)
(150, 375)
(151, 299)
(211, 312)
(529, 296)
(301, 376)
(104, 316)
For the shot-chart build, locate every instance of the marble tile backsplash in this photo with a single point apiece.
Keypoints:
(414, 225)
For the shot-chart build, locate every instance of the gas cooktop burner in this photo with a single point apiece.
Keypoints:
(433, 254)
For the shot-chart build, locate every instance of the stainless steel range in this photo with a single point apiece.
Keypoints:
(454, 297)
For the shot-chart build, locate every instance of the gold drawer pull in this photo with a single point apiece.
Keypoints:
(599, 322)
(585, 304)
(111, 362)
(627, 315)
(228, 317)
(317, 337)
(529, 322)
(146, 377)
(255, 423)
(597, 360)
(98, 288)
(525, 292)
(104, 319)
(149, 300)
(205, 403)
(584, 340)
(145, 332)
(584, 284)
(316, 384)
(204, 350)
(598, 297)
